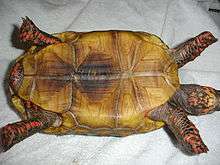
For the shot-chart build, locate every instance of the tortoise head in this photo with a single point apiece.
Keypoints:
(16, 75)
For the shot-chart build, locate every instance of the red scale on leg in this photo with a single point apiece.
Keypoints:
(14, 133)
(29, 32)
(184, 130)
(200, 99)
(192, 48)
(38, 120)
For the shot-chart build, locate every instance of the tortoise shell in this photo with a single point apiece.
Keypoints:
(101, 83)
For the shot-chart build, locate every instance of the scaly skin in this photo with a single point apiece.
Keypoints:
(189, 99)
(184, 130)
(192, 48)
(29, 32)
(16, 132)
(201, 100)
(39, 119)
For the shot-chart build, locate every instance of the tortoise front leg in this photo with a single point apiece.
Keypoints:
(184, 130)
(192, 48)
(30, 32)
(200, 100)
(16, 132)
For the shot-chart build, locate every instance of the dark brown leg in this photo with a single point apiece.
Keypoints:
(16, 132)
(200, 100)
(29, 32)
(183, 129)
(192, 48)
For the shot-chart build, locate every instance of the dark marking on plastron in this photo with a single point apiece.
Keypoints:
(52, 65)
(97, 75)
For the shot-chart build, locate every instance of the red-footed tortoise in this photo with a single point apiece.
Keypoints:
(106, 83)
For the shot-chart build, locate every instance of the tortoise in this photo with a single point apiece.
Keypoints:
(107, 83)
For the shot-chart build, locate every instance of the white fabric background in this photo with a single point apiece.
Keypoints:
(173, 20)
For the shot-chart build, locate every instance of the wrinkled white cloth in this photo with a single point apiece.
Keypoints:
(173, 20)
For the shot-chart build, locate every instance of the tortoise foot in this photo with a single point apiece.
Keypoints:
(30, 32)
(194, 144)
(184, 130)
(7, 136)
(16, 132)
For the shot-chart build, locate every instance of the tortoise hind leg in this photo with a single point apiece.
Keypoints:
(184, 130)
(30, 32)
(16, 132)
(37, 120)
(192, 48)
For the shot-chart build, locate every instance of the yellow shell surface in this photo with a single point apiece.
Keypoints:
(102, 83)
